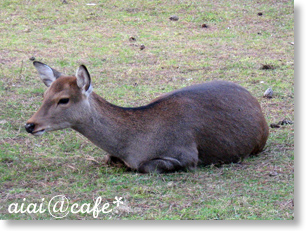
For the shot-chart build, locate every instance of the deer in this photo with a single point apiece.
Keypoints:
(211, 123)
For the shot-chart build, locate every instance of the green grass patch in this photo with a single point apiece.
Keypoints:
(234, 46)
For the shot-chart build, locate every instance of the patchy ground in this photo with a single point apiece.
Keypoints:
(240, 40)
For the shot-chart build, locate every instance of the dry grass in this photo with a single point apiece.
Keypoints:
(234, 46)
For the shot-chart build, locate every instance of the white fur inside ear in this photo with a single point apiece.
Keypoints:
(88, 92)
(80, 79)
(83, 80)
(45, 73)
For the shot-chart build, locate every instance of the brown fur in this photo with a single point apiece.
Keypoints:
(212, 123)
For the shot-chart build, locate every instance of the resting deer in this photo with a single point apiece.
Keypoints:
(212, 123)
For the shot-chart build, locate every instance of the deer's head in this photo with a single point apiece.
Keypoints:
(65, 100)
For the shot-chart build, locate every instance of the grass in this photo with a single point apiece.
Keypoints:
(179, 53)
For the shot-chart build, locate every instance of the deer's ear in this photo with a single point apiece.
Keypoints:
(83, 80)
(47, 74)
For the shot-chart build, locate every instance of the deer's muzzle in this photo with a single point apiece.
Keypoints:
(29, 127)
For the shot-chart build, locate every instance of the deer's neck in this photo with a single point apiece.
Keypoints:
(105, 125)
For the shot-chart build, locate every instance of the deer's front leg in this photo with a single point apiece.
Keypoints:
(114, 161)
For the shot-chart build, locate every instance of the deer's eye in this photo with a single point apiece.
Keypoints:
(63, 101)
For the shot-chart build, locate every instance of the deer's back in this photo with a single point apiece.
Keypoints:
(223, 120)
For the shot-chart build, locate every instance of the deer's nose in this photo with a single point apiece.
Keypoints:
(29, 127)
